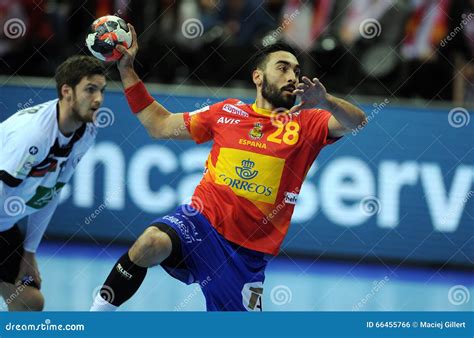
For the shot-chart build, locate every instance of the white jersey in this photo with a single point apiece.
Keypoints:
(36, 161)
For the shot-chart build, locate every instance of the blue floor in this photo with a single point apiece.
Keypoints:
(72, 274)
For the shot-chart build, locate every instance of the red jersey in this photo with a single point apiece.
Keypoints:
(255, 169)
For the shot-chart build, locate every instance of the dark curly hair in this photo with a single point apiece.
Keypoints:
(76, 67)
(260, 59)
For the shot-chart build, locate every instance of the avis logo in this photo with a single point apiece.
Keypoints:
(245, 171)
(228, 120)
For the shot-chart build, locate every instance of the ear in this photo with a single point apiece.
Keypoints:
(66, 91)
(257, 77)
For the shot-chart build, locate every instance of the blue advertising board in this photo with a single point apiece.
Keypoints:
(399, 189)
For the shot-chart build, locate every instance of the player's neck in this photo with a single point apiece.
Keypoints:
(261, 103)
(67, 123)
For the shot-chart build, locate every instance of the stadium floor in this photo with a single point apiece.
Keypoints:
(71, 275)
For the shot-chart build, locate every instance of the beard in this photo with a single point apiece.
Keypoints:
(76, 112)
(275, 96)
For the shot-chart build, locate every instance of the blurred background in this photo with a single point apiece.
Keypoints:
(403, 48)
(385, 219)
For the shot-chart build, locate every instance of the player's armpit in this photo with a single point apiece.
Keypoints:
(335, 129)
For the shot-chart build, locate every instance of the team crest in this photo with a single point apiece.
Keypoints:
(256, 132)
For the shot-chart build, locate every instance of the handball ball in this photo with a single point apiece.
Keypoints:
(104, 34)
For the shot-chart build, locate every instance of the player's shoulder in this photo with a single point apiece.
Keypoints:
(27, 136)
(313, 114)
(229, 105)
(233, 102)
(35, 124)
(227, 102)
(33, 118)
(236, 107)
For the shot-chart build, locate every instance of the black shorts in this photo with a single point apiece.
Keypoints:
(11, 252)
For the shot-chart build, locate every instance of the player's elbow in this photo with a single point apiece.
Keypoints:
(158, 133)
(359, 121)
(362, 116)
(154, 133)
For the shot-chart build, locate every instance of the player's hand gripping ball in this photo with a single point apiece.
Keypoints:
(104, 34)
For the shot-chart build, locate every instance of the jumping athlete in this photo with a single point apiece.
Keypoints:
(241, 209)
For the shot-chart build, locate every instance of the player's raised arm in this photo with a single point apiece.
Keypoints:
(158, 121)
